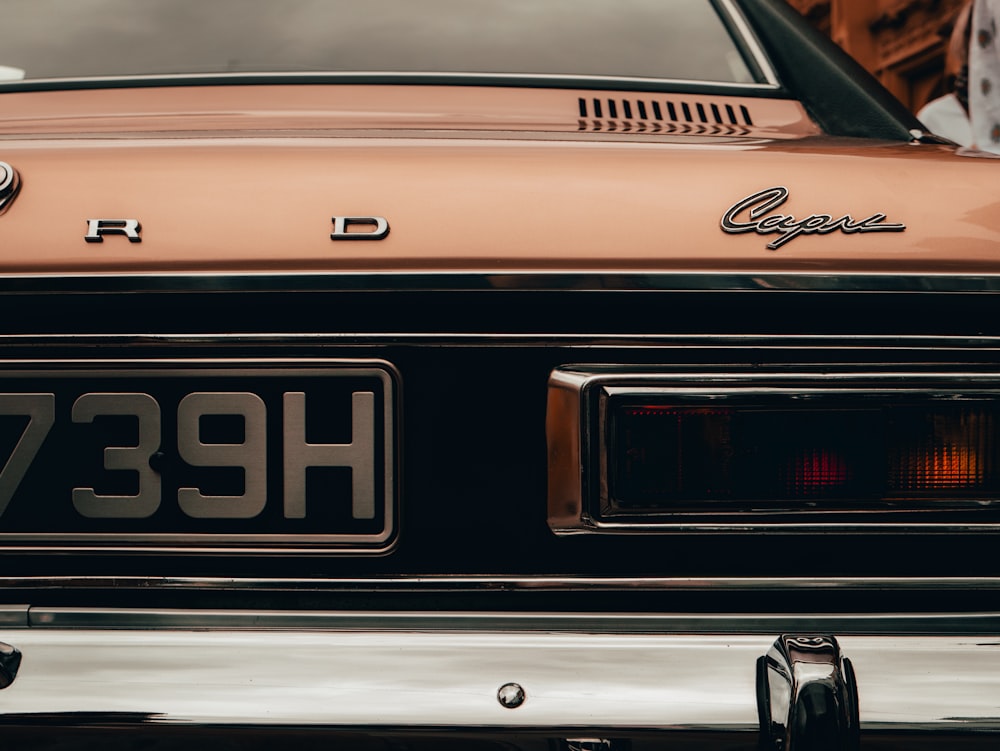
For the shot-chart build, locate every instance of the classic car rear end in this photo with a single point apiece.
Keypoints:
(514, 408)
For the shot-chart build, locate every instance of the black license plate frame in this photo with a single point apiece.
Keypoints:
(80, 473)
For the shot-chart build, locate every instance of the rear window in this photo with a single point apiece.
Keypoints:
(648, 39)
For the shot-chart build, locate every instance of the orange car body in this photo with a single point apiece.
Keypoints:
(246, 180)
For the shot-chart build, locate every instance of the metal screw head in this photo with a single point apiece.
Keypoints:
(511, 695)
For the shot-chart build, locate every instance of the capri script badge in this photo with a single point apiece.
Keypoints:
(754, 214)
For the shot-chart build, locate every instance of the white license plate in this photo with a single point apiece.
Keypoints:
(258, 455)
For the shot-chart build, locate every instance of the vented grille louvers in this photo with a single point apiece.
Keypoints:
(669, 116)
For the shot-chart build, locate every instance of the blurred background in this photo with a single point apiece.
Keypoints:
(902, 42)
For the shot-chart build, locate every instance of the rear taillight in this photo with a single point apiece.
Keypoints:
(765, 452)
(648, 451)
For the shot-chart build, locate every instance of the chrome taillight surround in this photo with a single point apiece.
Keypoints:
(635, 450)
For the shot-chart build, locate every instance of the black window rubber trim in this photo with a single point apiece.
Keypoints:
(840, 95)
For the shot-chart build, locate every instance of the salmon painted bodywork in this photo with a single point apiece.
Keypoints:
(471, 179)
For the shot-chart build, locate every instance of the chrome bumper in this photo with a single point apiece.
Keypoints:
(592, 676)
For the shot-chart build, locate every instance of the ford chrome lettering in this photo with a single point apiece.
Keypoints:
(755, 218)
(10, 184)
(98, 228)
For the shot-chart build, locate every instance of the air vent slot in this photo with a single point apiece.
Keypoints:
(663, 116)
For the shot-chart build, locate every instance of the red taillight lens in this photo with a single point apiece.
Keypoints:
(838, 456)
(813, 471)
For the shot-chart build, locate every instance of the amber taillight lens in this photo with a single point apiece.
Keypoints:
(835, 456)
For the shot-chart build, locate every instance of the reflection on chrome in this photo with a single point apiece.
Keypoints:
(590, 744)
(10, 661)
(807, 696)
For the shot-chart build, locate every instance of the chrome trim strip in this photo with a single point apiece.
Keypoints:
(598, 281)
(450, 677)
(390, 78)
(595, 340)
(924, 624)
(13, 616)
(132, 283)
(750, 39)
(449, 583)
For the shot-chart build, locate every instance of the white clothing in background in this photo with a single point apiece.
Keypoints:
(984, 76)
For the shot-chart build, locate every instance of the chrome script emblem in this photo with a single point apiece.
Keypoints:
(748, 215)
(10, 184)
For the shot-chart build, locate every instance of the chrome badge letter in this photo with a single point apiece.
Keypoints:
(368, 228)
(10, 183)
(98, 228)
